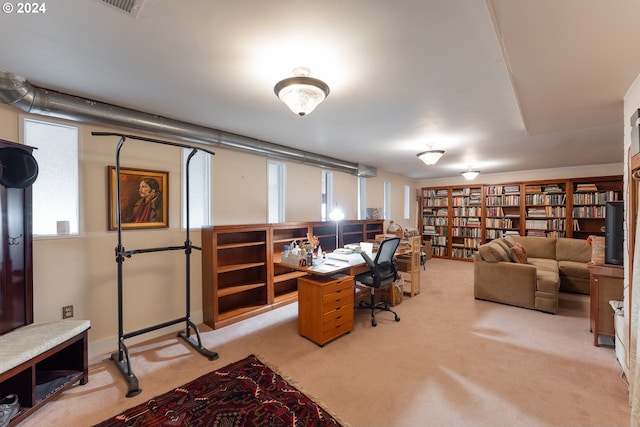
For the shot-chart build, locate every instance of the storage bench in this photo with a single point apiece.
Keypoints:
(41, 360)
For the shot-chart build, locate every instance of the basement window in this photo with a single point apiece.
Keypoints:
(199, 189)
(56, 191)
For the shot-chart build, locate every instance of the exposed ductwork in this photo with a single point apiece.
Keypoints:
(17, 91)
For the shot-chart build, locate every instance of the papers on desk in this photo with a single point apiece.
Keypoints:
(350, 259)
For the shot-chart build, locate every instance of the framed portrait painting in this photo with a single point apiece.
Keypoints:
(144, 198)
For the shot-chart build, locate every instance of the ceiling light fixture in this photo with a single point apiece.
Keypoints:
(301, 93)
(430, 157)
(470, 175)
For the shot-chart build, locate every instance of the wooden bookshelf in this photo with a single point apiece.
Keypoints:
(572, 208)
(435, 218)
(240, 278)
(466, 221)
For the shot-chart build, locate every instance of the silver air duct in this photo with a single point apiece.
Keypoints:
(17, 91)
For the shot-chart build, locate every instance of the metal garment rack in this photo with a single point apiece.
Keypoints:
(121, 357)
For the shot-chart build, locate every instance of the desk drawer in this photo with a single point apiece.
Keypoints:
(338, 286)
(336, 328)
(337, 301)
(338, 312)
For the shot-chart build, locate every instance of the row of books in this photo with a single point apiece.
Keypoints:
(467, 191)
(547, 189)
(466, 201)
(499, 223)
(545, 224)
(429, 202)
(467, 243)
(545, 199)
(435, 220)
(466, 221)
(466, 232)
(541, 233)
(466, 211)
(436, 193)
(506, 200)
(547, 211)
(502, 189)
(596, 198)
(589, 212)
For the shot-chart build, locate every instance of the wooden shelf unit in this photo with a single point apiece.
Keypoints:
(239, 276)
(466, 221)
(502, 210)
(571, 208)
(588, 200)
(435, 218)
(546, 208)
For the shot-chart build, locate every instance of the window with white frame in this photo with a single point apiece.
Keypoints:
(387, 200)
(275, 191)
(362, 197)
(327, 194)
(199, 189)
(56, 192)
(407, 202)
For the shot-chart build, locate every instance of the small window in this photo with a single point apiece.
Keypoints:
(407, 202)
(199, 189)
(362, 197)
(327, 193)
(387, 200)
(56, 201)
(276, 190)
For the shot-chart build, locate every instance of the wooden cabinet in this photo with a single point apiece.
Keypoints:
(606, 285)
(239, 276)
(16, 278)
(325, 307)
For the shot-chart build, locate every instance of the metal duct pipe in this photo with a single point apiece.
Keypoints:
(17, 91)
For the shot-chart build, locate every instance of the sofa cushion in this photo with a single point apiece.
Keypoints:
(518, 254)
(493, 252)
(573, 250)
(574, 269)
(538, 247)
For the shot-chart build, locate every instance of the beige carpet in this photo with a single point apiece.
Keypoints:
(450, 361)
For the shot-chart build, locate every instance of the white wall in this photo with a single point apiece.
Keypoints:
(82, 271)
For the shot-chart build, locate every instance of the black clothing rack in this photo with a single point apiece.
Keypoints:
(121, 357)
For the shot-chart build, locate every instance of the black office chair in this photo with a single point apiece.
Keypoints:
(382, 271)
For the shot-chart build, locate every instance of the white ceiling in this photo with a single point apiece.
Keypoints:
(501, 85)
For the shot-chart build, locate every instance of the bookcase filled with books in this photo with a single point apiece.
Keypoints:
(546, 208)
(435, 219)
(588, 204)
(502, 210)
(466, 221)
(572, 207)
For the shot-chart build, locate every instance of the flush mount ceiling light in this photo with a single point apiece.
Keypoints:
(470, 175)
(430, 157)
(301, 93)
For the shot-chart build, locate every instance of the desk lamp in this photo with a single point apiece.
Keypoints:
(336, 215)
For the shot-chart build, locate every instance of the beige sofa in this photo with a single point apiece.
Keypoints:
(552, 265)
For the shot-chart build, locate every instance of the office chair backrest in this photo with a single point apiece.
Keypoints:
(384, 268)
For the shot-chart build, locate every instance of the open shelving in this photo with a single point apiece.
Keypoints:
(546, 209)
(435, 219)
(466, 221)
(589, 199)
(502, 209)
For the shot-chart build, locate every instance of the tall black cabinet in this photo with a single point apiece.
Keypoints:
(16, 279)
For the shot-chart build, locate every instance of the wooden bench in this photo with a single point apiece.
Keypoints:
(41, 360)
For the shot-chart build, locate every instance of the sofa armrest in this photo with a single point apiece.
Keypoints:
(506, 282)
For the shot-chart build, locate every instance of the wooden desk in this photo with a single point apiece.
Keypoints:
(606, 284)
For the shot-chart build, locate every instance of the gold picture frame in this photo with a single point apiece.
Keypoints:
(144, 198)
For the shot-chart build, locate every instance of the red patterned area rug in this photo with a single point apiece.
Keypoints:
(244, 393)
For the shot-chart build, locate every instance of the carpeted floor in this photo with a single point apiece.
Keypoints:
(243, 393)
(451, 361)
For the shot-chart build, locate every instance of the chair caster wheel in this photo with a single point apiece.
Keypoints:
(374, 323)
(397, 318)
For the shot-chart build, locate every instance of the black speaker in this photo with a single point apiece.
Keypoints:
(614, 233)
